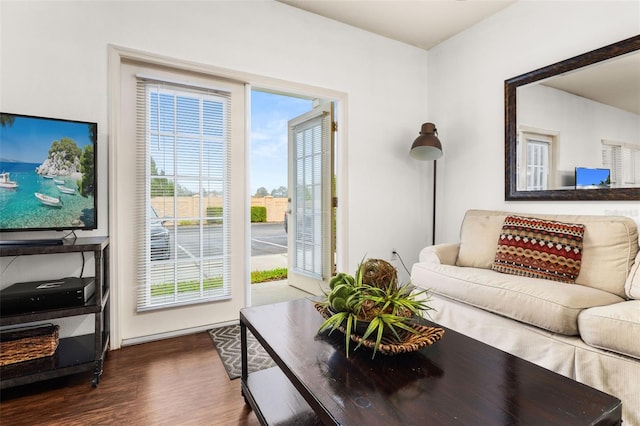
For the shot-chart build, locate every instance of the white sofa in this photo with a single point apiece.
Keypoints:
(588, 330)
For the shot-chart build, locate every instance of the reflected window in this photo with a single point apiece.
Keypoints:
(535, 154)
(624, 161)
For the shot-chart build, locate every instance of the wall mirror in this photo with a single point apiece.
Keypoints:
(572, 129)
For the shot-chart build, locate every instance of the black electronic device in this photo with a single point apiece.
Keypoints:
(49, 294)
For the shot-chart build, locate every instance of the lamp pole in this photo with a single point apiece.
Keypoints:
(427, 147)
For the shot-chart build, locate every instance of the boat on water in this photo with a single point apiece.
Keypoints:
(48, 176)
(5, 182)
(66, 189)
(48, 201)
(58, 181)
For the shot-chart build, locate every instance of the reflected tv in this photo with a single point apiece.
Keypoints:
(590, 178)
(47, 174)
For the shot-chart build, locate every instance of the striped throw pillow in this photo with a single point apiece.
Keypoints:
(539, 248)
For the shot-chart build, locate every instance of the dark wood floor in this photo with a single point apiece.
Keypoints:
(169, 382)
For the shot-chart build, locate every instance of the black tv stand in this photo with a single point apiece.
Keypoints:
(40, 242)
(75, 353)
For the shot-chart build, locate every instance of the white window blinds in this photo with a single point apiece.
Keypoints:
(624, 162)
(308, 169)
(183, 192)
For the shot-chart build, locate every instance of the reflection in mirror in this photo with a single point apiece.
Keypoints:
(573, 128)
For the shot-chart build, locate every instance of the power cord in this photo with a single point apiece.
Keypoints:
(75, 237)
(401, 261)
(83, 261)
(7, 267)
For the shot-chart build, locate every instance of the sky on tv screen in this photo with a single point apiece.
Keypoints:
(588, 177)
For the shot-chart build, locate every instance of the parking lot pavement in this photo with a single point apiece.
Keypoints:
(268, 262)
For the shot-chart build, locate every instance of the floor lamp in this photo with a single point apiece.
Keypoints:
(427, 147)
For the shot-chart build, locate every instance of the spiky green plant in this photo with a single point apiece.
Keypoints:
(391, 308)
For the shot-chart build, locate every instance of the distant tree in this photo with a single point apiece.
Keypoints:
(6, 120)
(68, 147)
(262, 192)
(87, 169)
(181, 190)
(280, 192)
(154, 168)
(160, 186)
(92, 132)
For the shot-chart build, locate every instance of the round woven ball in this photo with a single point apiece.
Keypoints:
(379, 273)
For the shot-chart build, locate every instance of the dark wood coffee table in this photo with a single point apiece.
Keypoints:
(458, 380)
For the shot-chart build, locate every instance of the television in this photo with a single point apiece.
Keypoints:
(47, 174)
(592, 178)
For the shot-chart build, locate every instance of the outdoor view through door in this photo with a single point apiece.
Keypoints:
(291, 181)
(311, 171)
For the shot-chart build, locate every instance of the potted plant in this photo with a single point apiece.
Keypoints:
(373, 304)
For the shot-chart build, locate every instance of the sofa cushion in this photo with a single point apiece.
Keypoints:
(614, 327)
(539, 248)
(479, 239)
(632, 286)
(610, 245)
(544, 303)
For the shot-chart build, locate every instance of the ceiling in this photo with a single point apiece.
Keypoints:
(420, 23)
(426, 23)
(614, 82)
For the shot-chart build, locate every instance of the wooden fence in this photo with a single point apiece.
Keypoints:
(188, 207)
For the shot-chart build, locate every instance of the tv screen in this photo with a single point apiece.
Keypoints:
(47, 174)
(592, 178)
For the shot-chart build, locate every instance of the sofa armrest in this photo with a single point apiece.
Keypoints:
(445, 254)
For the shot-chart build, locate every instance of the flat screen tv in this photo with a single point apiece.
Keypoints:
(590, 178)
(47, 174)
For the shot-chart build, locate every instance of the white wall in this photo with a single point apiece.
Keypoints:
(466, 97)
(581, 125)
(53, 62)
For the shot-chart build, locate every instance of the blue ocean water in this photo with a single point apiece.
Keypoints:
(19, 208)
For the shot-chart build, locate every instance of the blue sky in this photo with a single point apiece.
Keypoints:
(270, 113)
(28, 140)
(269, 116)
(586, 176)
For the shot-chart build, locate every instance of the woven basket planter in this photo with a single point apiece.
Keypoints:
(28, 343)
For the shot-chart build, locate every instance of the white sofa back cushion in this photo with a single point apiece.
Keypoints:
(610, 245)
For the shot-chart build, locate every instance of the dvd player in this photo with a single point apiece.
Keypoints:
(49, 294)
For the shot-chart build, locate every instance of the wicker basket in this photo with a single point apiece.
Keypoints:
(27, 343)
(411, 342)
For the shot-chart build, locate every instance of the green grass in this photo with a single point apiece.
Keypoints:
(272, 275)
(185, 286)
(165, 289)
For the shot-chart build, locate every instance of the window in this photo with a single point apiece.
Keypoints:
(183, 143)
(623, 160)
(535, 154)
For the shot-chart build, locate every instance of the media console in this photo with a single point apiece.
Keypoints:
(75, 354)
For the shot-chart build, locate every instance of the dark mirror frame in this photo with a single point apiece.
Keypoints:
(510, 87)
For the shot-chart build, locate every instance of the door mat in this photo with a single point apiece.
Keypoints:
(227, 342)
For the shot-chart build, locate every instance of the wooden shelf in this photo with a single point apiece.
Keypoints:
(275, 400)
(74, 354)
(67, 246)
(19, 318)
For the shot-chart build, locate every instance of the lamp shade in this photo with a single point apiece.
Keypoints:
(427, 146)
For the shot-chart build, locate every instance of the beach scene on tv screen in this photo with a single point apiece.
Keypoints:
(47, 173)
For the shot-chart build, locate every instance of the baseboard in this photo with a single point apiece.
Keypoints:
(175, 333)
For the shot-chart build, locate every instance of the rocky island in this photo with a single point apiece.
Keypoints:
(63, 160)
